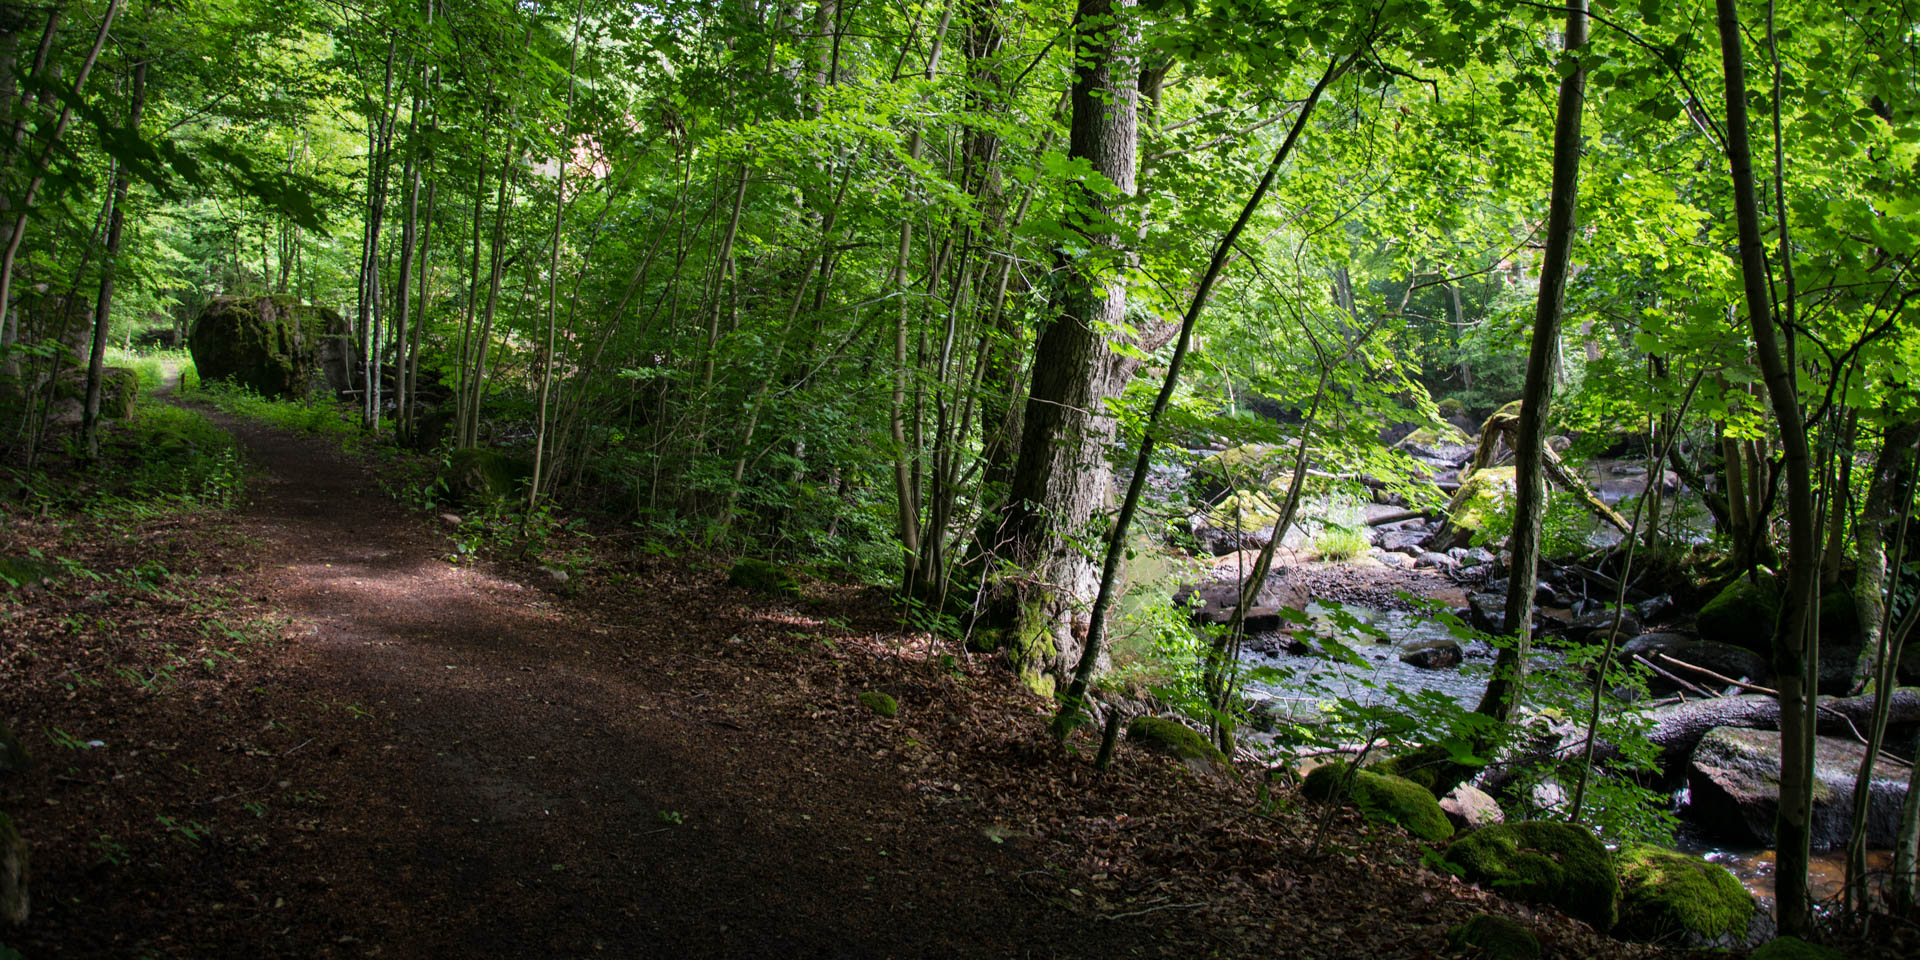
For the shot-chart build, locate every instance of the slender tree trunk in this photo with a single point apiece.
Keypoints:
(1794, 828)
(1506, 688)
(103, 308)
(553, 265)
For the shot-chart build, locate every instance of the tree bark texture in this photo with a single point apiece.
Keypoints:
(1062, 476)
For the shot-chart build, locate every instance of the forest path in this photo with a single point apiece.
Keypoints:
(530, 778)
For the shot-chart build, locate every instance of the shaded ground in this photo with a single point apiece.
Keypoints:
(320, 738)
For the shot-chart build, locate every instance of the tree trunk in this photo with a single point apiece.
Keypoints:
(1507, 685)
(1061, 475)
(1790, 642)
(103, 308)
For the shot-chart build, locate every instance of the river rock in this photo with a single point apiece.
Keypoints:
(1487, 612)
(1438, 560)
(1592, 627)
(1654, 609)
(1471, 808)
(1396, 560)
(1733, 781)
(277, 346)
(1437, 653)
(1736, 663)
(1446, 444)
(1408, 542)
(1742, 614)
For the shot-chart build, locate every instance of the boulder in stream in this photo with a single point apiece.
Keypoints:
(1437, 653)
(1733, 782)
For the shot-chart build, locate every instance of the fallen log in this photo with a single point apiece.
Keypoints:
(1399, 516)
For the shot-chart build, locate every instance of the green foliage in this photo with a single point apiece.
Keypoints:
(1543, 862)
(322, 418)
(1664, 893)
(1340, 544)
(1793, 948)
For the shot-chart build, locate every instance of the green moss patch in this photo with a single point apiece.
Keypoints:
(763, 577)
(880, 703)
(1177, 740)
(1543, 862)
(1794, 948)
(1496, 938)
(1667, 894)
(1742, 613)
(1382, 797)
(1483, 496)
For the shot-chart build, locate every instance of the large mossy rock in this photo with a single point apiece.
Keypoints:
(477, 474)
(277, 346)
(1495, 938)
(1381, 797)
(761, 576)
(1171, 738)
(1742, 614)
(1733, 787)
(119, 389)
(1484, 495)
(1672, 897)
(1546, 862)
(13, 875)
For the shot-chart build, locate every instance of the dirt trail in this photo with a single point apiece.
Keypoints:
(530, 783)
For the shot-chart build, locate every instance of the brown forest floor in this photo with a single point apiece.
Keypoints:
(322, 739)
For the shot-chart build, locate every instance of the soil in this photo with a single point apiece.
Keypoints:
(314, 735)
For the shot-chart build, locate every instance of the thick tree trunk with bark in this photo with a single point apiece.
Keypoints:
(1062, 475)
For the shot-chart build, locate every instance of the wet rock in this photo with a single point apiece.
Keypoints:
(1471, 808)
(1654, 609)
(1733, 782)
(1435, 654)
(1737, 663)
(1221, 541)
(1478, 555)
(1487, 612)
(1592, 627)
(1403, 541)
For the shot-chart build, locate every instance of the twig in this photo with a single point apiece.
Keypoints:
(1717, 676)
(1164, 906)
(1670, 675)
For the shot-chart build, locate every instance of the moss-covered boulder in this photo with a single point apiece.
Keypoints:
(477, 474)
(1794, 948)
(1442, 441)
(1174, 739)
(1484, 495)
(277, 346)
(13, 875)
(1495, 938)
(1380, 796)
(763, 577)
(879, 702)
(119, 389)
(14, 758)
(1546, 862)
(1742, 614)
(1670, 896)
